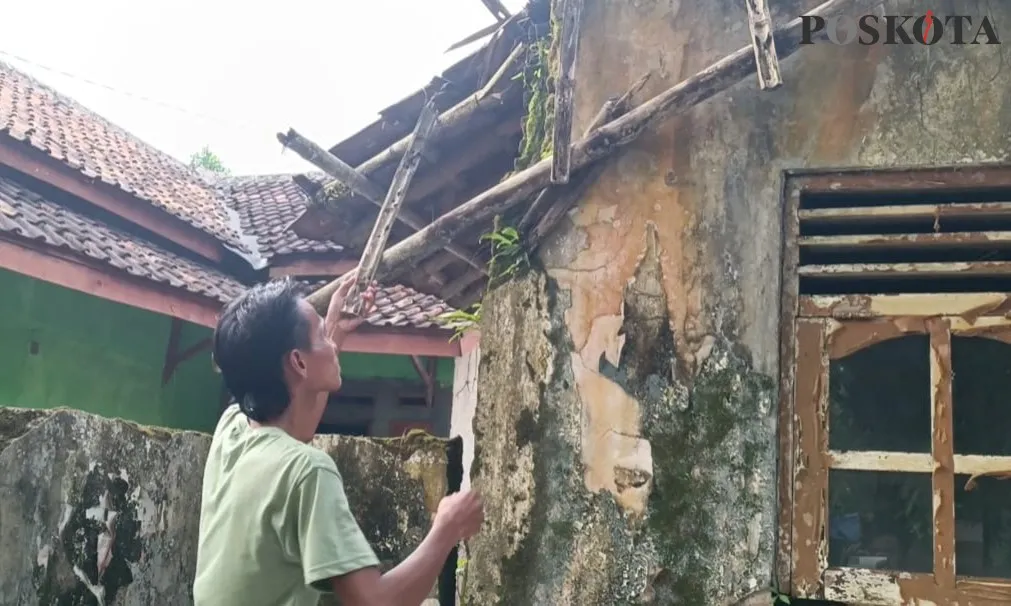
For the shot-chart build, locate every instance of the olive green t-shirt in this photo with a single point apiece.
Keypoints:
(274, 520)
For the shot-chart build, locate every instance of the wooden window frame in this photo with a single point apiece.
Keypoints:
(816, 329)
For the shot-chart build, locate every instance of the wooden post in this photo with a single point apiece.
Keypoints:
(760, 23)
(561, 160)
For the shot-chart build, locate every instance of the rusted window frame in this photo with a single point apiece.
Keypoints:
(810, 328)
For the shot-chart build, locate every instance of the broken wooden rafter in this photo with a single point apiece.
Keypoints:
(330, 164)
(466, 114)
(553, 202)
(463, 116)
(481, 33)
(497, 10)
(762, 41)
(451, 172)
(602, 142)
(565, 84)
(395, 196)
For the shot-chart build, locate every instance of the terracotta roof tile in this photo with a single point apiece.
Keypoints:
(63, 128)
(28, 215)
(401, 306)
(266, 205)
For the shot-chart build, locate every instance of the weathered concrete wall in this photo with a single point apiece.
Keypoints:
(626, 436)
(105, 512)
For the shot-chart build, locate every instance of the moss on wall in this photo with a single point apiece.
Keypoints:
(539, 75)
(110, 509)
(553, 541)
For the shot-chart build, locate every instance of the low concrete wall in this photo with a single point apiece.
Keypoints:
(106, 512)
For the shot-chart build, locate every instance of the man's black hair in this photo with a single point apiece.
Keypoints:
(255, 332)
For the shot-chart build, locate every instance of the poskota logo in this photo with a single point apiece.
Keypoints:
(927, 29)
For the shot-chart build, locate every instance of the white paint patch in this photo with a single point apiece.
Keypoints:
(147, 511)
(96, 590)
(65, 516)
(42, 558)
(99, 511)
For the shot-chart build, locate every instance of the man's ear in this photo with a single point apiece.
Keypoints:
(297, 362)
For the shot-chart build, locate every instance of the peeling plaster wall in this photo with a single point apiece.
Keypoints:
(99, 512)
(464, 406)
(625, 432)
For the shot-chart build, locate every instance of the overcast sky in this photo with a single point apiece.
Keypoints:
(242, 71)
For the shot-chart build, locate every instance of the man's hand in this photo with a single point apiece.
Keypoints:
(460, 515)
(338, 326)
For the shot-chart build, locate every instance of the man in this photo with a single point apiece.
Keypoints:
(275, 527)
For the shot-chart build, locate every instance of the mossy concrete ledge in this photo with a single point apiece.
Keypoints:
(97, 511)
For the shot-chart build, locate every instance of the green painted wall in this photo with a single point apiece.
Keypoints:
(98, 356)
(106, 358)
(368, 366)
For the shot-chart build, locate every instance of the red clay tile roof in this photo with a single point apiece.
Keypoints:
(61, 127)
(401, 306)
(28, 215)
(83, 140)
(266, 205)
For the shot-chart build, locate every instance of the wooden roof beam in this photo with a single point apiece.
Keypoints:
(451, 175)
(554, 202)
(460, 118)
(388, 212)
(361, 184)
(330, 164)
(760, 24)
(565, 84)
(497, 10)
(601, 143)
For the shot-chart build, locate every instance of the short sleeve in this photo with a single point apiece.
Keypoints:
(330, 542)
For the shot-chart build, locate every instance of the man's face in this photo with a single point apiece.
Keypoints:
(322, 371)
